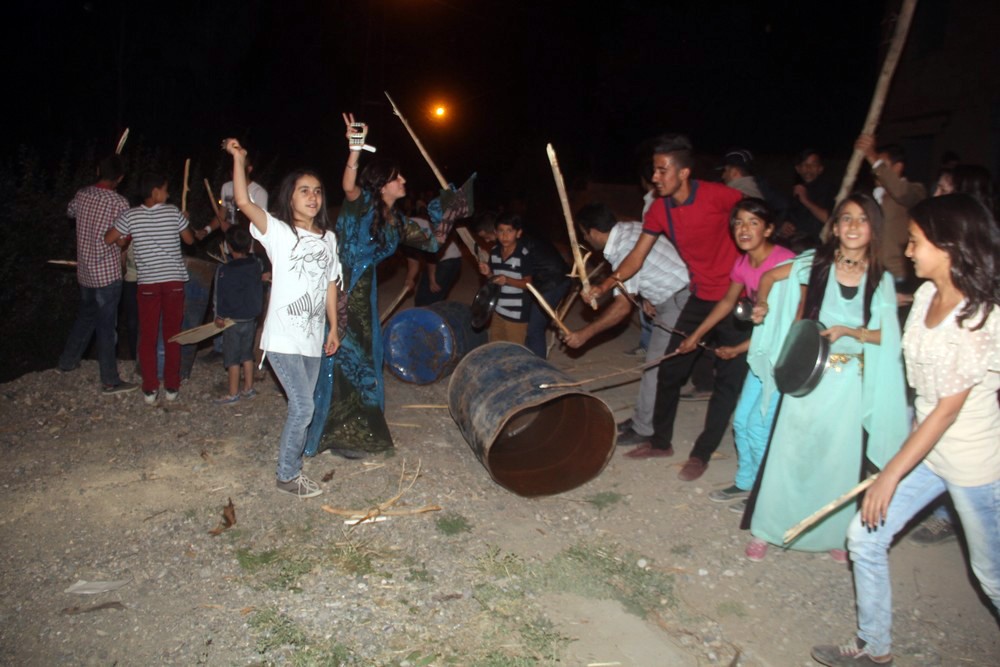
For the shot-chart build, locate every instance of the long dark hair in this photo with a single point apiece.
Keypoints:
(283, 206)
(960, 225)
(372, 179)
(826, 256)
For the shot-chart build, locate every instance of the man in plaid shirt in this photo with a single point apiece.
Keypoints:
(99, 272)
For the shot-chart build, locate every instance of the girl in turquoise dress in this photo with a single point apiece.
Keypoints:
(349, 417)
(857, 410)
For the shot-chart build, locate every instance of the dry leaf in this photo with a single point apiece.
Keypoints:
(228, 519)
(328, 476)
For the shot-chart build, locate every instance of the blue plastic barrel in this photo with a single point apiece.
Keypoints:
(423, 345)
(533, 441)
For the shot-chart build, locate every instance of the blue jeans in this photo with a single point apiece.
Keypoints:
(298, 375)
(98, 314)
(538, 321)
(978, 508)
(752, 430)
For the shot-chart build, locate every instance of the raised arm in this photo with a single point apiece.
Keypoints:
(241, 193)
(350, 180)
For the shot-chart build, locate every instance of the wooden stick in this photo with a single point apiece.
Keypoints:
(184, 192)
(424, 406)
(794, 531)
(62, 262)
(548, 309)
(211, 200)
(568, 302)
(420, 146)
(643, 367)
(121, 142)
(581, 268)
(399, 299)
(471, 244)
(881, 90)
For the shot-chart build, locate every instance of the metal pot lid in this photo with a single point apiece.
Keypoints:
(803, 358)
(484, 304)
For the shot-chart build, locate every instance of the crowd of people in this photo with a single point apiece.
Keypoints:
(901, 288)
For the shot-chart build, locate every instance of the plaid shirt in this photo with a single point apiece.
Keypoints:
(95, 209)
(662, 275)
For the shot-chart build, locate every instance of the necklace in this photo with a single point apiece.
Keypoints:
(848, 263)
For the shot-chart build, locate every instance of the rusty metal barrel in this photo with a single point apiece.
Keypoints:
(534, 442)
(423, 345)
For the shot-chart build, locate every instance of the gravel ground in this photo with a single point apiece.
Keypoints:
(633, 568)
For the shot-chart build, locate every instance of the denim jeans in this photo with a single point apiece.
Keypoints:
(538, 321)
(98, 314)
(656, 346)
(978, 508)
(298, 375)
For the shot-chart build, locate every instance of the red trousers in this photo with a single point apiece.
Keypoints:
(160, 302)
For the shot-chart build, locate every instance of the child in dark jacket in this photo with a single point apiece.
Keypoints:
(238, 296)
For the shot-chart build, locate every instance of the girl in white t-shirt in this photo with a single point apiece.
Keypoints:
(305, 274)
(952, 349)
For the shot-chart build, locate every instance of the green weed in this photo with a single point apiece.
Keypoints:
(453, 524)
(604, 499)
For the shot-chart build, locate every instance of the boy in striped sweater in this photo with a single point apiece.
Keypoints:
(155, 230)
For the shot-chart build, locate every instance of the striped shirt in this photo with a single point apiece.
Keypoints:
(511, 304)
(95, 209)
(156, 238)
(662, 274)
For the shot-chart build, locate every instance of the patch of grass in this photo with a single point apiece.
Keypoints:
(604, 499)
(420, 575)
(353, 556)
(732, 608)
(275, 630)
(252, 562)
(496, 563)
(541, 638)
(453, 524)
(288, 573)
(681, 549)
(608, 572)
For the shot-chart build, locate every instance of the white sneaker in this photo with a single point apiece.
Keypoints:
(301, 486)
(150, 397)
(171, 394)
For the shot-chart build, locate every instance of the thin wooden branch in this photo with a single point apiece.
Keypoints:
(392, 306)
(420, 146)
(795, 530)
(211, 200)
(548, 309)
(186, 188)
(471, 244)
(581, 268)
(643, 367)
(121, 142)
(881, 90)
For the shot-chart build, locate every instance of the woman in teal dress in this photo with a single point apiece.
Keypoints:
(349, 418)
(857, 410)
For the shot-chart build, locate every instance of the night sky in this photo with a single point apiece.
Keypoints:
(770, 76)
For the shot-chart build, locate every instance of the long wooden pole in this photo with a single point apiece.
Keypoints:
(470, 242)
(881, 90)
(184, 192)
(392, 306)
(794, 531)
(211, 200)
(581, 267)
(420, 146)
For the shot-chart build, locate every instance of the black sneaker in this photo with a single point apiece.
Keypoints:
(934, 530)
(630, 438)
(120, 388)
(725, 495)
(852, 654)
